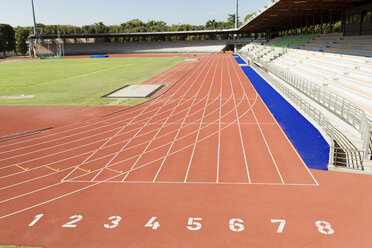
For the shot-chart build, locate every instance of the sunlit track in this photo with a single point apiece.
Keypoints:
(66, 159)
(208, 107)
(100, 120)
(240, 74)
(189, 134)
(238, 121)
(95, 159)
(116, 176)
(68, 150)
(158, 130)
(159, 101)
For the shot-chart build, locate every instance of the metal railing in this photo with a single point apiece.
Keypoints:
(342, 152)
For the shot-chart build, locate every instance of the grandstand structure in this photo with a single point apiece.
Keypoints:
(319, 58)
(315, 53)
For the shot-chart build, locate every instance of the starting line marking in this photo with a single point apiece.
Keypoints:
(120, 172)
(210, 183)
(77, 167)
(25, 169)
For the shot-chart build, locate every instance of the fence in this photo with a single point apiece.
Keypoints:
(343, 153)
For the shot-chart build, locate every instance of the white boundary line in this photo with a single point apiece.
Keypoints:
(78, 127)
(303, 162)
(89, 186)
(238, 120)
(174, 109)
(149, 163)
(262, 134)
(184, 183)
(175, 138)
(202, 118)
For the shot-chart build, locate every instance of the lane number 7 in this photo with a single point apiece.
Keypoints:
(281, 225)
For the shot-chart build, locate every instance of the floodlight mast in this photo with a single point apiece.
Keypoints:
(236, 23)
(33, 13)
(236, 14)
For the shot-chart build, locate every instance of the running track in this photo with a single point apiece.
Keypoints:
(206, 158)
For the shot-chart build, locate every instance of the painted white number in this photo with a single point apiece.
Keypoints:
(236, 225)
(281, 225)
(75, 218)
(37, 218)
(152, 224)
(324, 227)
(114, 222)
(193, 225)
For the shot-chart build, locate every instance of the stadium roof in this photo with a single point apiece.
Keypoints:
(283, 13)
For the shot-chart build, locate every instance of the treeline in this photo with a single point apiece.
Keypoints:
(15, 39)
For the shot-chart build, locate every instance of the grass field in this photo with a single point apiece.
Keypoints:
(76, 81)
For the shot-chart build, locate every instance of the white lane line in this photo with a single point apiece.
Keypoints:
(149, 163)
(96, 183)
(153, 116)
(203, 115)
(298, 155)
(72, 157)
(219, 128)
(210, 183)
(178, 132)
(84, 162)
(240, 131)
(77, 147)
(127, 171)
(195, 97)
(69, 143)
(69, 130)
(262, 134)
(53, 185)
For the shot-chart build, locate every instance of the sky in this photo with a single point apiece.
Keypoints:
(115, 12)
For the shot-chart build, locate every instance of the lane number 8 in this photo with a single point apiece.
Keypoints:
(324, 227)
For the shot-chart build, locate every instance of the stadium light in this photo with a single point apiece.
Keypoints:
(33, 13)
(236, 23)
(236, 14)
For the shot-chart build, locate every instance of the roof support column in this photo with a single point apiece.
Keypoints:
(307, 26)
(330, 23)
(343, 22)
(313, 24)
(321, 24)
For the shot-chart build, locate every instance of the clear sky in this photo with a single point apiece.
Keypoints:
(111, 12)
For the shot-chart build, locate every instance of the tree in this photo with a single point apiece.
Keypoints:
(249, 16)
(7, 40)
(21, 35)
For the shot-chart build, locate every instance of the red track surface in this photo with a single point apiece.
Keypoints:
(27, 118)
(208, 148)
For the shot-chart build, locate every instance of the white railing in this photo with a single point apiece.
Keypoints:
(342, 153)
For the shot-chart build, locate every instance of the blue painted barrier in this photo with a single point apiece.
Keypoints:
(239, 60)
(99, 56)
(307, 140)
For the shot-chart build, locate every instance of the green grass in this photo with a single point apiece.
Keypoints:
(14, 246)
(78, 82)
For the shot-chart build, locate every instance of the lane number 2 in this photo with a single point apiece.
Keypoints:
(75, 219)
